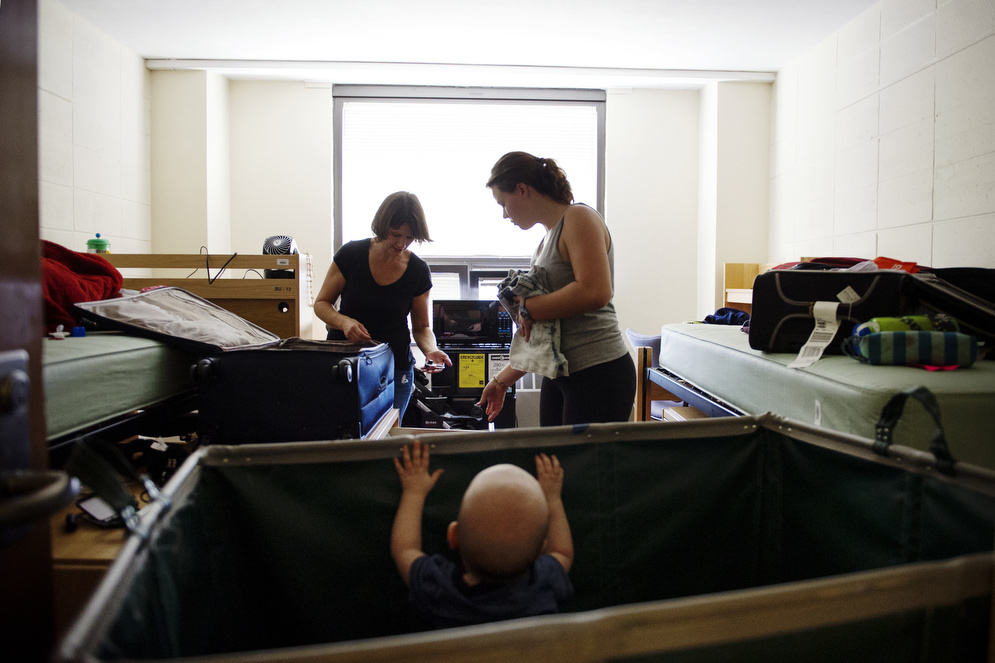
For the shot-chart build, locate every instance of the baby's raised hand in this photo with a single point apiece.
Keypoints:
(412, 468)
(550, 475)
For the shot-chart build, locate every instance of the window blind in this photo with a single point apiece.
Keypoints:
(441, 146)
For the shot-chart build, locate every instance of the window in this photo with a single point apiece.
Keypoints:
(440, 144)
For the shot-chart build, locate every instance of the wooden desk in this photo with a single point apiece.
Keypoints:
(79, 561)
(737, 284)
(282, 306)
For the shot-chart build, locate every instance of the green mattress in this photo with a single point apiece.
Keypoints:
(836, 392)
(104, 375)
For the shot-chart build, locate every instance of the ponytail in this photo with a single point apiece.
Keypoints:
(542, 174)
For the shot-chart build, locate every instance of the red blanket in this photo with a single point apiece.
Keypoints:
(69, 277)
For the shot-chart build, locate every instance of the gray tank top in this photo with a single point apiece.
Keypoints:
(589, 338)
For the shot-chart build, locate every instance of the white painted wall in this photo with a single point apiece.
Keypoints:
(884, 139)
(281, 166)
(708, 196)
(881, 142)
(733, 170)
(218, 148)
(179, 162)
(742, 212)
(94, 136)
(651, 204)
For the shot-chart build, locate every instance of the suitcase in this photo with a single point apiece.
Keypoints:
(782, 318)
(964, 293)
(252, 385)
(731, 539)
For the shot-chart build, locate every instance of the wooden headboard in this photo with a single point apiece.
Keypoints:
(282, 306)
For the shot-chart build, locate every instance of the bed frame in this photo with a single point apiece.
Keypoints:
(280, 305)
(713, 368)
(657, 384)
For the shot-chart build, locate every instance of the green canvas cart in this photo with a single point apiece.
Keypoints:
(737, 539)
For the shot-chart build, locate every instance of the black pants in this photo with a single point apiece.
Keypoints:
(602, 393)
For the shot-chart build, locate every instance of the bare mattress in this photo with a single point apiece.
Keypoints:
(104, 375)
(836, 392)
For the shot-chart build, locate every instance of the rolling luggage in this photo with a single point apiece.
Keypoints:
(254, 386)
(731, 539)
(784, 304)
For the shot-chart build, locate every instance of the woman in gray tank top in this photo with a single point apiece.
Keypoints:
(575, 261)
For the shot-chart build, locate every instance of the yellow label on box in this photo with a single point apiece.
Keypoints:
(472, 371)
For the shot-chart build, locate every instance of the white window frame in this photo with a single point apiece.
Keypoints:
(470, 265)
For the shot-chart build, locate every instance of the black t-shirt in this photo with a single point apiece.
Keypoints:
(383, 309)
(438, 591)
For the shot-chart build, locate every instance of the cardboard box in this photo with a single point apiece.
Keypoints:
(683, 413)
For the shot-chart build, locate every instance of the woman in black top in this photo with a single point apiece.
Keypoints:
(380, 282)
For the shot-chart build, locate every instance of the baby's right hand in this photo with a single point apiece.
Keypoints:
(550, 475)
(412, 468)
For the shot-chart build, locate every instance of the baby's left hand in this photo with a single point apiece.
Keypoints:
(412, 468)
(550, 475)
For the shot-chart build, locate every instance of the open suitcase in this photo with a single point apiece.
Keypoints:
(254, 386)
(732, 539)
(783, 300)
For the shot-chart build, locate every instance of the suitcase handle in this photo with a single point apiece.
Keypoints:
(892, 411)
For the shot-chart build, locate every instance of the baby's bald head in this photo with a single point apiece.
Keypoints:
(503, 522)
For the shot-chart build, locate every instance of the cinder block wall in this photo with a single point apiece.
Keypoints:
(883, 139)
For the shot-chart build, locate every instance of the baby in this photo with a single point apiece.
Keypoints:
(512, 535)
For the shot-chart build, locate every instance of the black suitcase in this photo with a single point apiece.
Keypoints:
(782, 319)
(254, 386)
(783, 299)
(964, 293)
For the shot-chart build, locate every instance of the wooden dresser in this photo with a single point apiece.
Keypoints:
(280, 305)
(737, 286)
(79, 561)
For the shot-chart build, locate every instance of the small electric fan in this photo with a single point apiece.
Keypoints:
(279, 245)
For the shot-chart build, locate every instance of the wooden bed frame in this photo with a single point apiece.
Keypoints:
(282, 306)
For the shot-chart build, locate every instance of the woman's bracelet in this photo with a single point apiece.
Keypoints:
(503, 385)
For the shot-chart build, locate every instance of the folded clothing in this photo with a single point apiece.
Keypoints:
(727, 316)
(541, 353)
(70, 277)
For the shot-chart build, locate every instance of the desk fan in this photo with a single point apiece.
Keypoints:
(279, 245)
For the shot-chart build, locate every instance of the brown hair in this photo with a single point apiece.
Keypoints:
(543, 175)
(396, 210)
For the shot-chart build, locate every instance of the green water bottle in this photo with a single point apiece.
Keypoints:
(97, 245)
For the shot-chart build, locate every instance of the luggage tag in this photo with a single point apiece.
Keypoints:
(822, 335)
(826, 326)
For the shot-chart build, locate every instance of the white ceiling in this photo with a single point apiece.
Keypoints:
(382, 41)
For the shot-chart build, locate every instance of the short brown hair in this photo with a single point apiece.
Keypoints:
(396, 210)
(541, 174)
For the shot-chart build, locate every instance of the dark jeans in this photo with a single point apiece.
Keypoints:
(602, 393)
